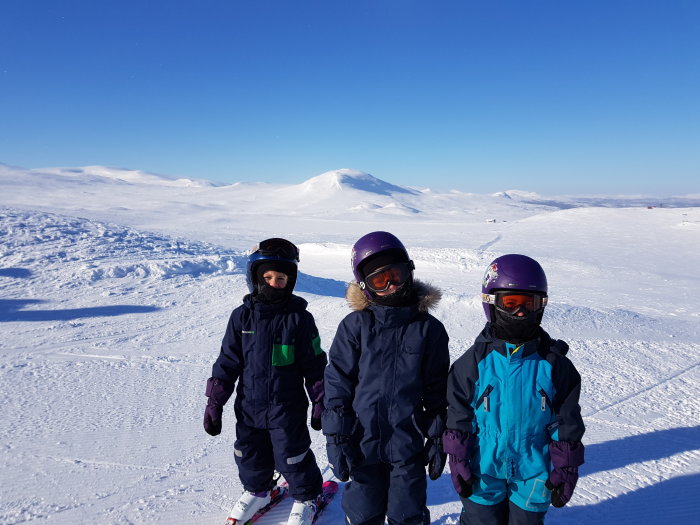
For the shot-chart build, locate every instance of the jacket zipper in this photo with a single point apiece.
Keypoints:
(485, 399)
(545, 400)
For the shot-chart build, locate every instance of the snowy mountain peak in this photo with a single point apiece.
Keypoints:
(340, 180)
(516, 194)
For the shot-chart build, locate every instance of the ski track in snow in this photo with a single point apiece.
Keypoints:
(109, 334)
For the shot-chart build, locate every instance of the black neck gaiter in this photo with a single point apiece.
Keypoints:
(514, 329)
(269, 295)
(404, 296)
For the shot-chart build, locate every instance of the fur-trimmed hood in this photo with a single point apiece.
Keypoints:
(428, 296)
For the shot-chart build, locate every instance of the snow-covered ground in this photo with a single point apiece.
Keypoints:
(116, 286)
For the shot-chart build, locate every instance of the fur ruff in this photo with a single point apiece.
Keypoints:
(428, 296)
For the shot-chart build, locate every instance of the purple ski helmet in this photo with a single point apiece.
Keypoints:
(511, 272)
(368, 247)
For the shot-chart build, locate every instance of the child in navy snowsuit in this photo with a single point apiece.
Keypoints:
(514, 423)
(386, 388)
(272, 349)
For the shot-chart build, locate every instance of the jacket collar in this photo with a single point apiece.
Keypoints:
(542, 342)
(293, 304)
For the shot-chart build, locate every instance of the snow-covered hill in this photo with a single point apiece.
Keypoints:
(115, 296)
(342, 180)
(339, 203)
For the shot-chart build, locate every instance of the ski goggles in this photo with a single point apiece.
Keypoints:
(514, 302)
(277, 247)
(380, 280)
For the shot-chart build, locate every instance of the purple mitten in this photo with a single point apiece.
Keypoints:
(218, 393)
(316, 392)
(457, 445)
(212, 418)
(566, 457)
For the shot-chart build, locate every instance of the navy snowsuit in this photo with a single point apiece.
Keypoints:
(515, 400)
(271, 350)
(387, 374)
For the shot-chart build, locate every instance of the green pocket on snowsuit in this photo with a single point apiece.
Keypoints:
(282, 355)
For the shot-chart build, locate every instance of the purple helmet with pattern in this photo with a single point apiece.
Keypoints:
(374, 247)
(512, 272)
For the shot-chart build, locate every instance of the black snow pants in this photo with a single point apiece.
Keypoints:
(503, 513)
(259, 452)
(397, 491)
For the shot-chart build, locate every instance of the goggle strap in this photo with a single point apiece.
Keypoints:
(491, 298)
(278, 248)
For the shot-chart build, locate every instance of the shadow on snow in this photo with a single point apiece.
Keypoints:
(668, 501)
(13, 310)
(17, 273)
(644, 447)
(320, 286)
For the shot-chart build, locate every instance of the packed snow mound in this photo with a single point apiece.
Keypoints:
(396, 208)
(332, 182)
(96, 250)
(95, 173)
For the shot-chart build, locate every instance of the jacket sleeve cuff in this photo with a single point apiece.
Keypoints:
(218, 391)
(337, 422)
(457, 443)
(566, 453)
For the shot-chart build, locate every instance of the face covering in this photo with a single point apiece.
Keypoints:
(514, 329)
(268, 294)
(404, 296)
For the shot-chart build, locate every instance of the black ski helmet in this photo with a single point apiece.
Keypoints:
(275, 250)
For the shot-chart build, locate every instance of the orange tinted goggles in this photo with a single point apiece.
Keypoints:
(514, 302)
(381, 279)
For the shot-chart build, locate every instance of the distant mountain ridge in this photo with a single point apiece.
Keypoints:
(342, 190)
(123, 175)
(338, 180)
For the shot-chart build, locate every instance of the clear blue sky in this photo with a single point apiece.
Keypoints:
(592, 96)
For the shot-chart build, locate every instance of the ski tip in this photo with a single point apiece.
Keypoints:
(330, 486)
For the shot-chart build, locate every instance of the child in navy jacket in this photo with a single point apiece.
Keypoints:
(271, 349)
(385, 388)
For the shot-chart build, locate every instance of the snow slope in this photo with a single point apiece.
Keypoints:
(116, 288)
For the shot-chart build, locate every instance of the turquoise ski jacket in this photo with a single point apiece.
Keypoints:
(514, 400)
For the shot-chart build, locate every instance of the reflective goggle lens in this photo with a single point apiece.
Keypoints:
(381, 279)
(513, 302)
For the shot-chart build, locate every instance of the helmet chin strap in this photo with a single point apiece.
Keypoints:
(517, 329)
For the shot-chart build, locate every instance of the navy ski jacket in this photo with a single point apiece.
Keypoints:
(387, 376)
(515, 400)
(272, 350)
